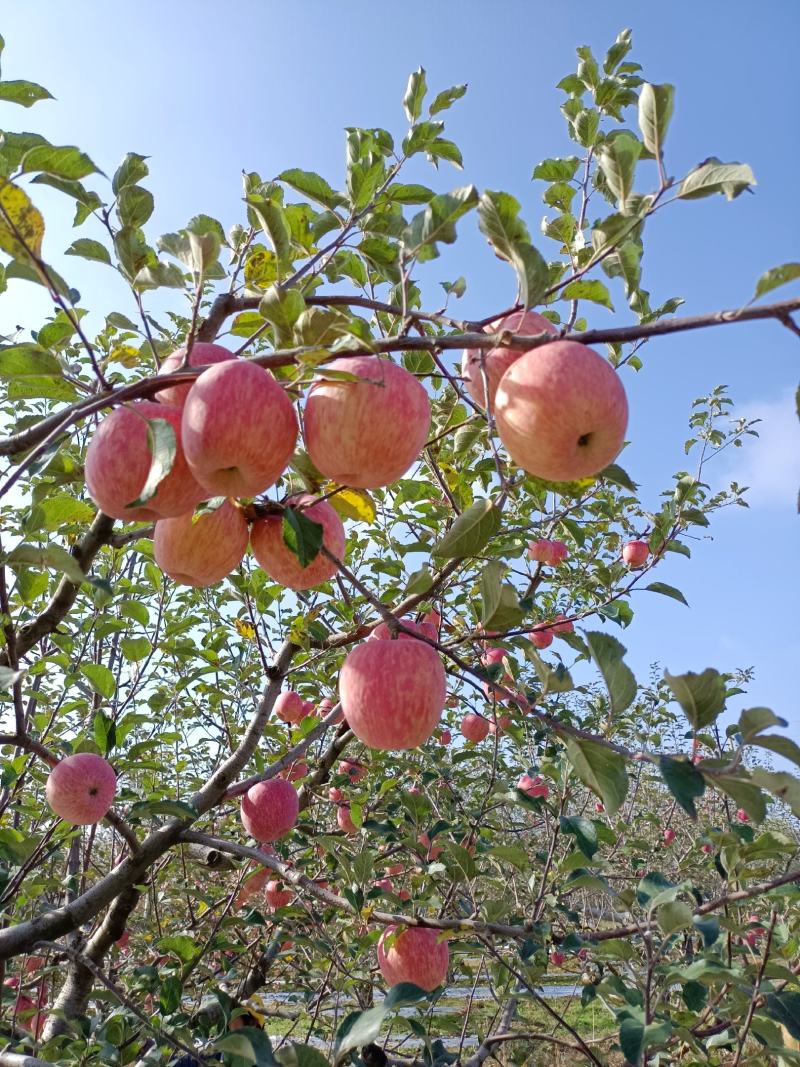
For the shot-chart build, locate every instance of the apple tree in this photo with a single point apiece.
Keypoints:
(319, 742)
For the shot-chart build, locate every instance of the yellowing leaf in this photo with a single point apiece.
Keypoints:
(21, 224)
(127, 355)
(367, 911)
(353, 503)
(245, 629)
(577, 488)
(260, 268)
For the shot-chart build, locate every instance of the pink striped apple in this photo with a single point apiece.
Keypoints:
(200, 551)
(202, 354)
(474, 727)
(81, 788)
(270, 809)
(414, 955)
(498, 360)
(635, 554)
(277, 559)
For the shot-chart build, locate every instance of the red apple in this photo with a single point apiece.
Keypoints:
(599, 807)
(366, 433)
(392, 692)
(239, 429)
(432, 852)
(433, 618)
(425, 629)
(499, 724)
(635, 553)
(416, 955)
(386, 884)
(395, 869)
(557, 958)
(118, 461)
(562, 625)
(345, 820)
(270, 809)
(290, 707)
(708, 849)
(541, 636)
(742, 816)
(253, 884)
(533, 787)
(295, 771)
(202, 354)
(498, 360)
(445, 737)
(122, 942)
(335, 795)
(474, 727)
(548, 553)
(276, 896)
(81, 788)
(278, 560)
(201, 551)
(404, 894)
(354, 771)
(561, 412)
(669, 835)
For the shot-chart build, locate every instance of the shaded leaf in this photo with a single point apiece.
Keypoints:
(667, 590)
(162, 446)
(471, 531)
(656, 103)
(599, 768)
(302, 535)
(607, 653)
(702, 696)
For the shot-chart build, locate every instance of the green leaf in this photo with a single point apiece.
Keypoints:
(67, 162)
(446, 98)
(302, 535)
(617, 476)
(282, 307)
(553, 679)
(747, 794)
(714, 176)
(419, 582)
(162, 447)
(415, 94)
(471, 531)
(607, 653)
(753, 721)
(556, 170)
(618, 158)
(631, 1036)
(500, 601)
(436, 222)
(159, 275)
(785, 1009)
(702, 696)
(135, 648)
(313, 186)
(684, 781)
(180, 945)
(135, 206)
(272, 219)
(593, 290)
(28, 360)
(130, 171)
(100, 678)
(775, 277)
(250, 1046)
(781, 784)
(655, 111)
(443, 149)
(584, 831)
(506, 232)
(23, 92)
(709, 928)
(360, 1028)
(146, 809)
(667, 590)
(674, 916)
(104, 730)
(783, 746)
(599, 768)
(88, 249)
(409, 194)
(294, 1055)
(52, 556)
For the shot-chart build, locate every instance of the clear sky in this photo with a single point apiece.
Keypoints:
(209, 89)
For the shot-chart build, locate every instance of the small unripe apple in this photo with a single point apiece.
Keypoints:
(742, 816)
(474, 727)
(366, 433)
(270, 809)
(118, 461)
(336, 795)
(561, 412)
(392, 692)
(201, 551)
(635, 554)
(669, 835)
(445, 737)
(202, 354)
(345, 820)
(416, 955)
(541, 636)
(354, 771)
(239, 429)
(278, 560)
(81, 788)
(290, 707)
(276, 896)
(498, 360)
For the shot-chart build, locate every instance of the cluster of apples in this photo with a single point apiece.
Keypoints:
(560, 409)
(235, 433)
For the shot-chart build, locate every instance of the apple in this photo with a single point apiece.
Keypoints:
(335, 795)
(742, 816)
(414, 791)
(499, 724)
(474, 727)
(557, 958)
(200, 551)
(122, 942)
(392, 692)
(599, 807)
(118, 461)
(345, 820)
(354, 771)
(415, 955)
(295, 771)
(433, 618)
(533, 787)
(81, 788)
(708, 849)
(669, 835)
(404, 894)
(445, 737)
(635, 554)
(424, 629)
(277, 559)
(562, 625)
(583, 954)
(290, 707)
(561, 412)
(541, 636)
(276, 896)
(386, 884)
(202, 354)
(498, 360)
(548, 553)
(432, 852)
(239, 429)
(366, 433)
(395, 869)
(253, 884)
(270, 809)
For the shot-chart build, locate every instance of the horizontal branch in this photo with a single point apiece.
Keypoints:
(26, 439)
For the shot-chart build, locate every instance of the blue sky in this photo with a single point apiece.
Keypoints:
(207, 90)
